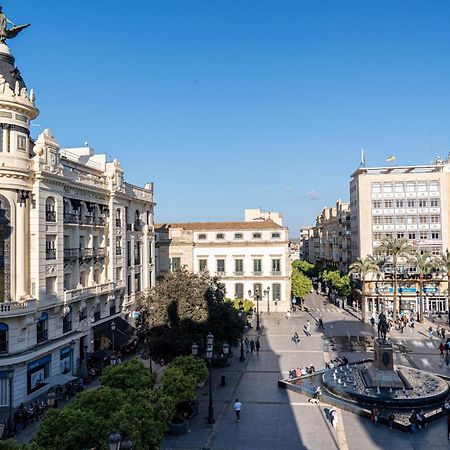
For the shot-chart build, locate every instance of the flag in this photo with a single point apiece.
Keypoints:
(390, 158)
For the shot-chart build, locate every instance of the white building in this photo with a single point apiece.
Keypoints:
(248, 256)
(251, 215)
(76, 246)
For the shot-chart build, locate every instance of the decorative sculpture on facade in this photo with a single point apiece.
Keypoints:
(9, 33)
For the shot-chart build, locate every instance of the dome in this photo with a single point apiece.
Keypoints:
(10, 73)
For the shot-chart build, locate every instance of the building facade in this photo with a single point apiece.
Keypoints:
(247, 256)
(409, 202)
(76, 243)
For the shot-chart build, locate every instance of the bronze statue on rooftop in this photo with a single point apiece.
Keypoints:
(9, 33)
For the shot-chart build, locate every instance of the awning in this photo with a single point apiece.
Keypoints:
(123, 334)
(59, 379)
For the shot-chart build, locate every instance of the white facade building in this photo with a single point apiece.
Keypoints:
(76, 246)
(247, 256)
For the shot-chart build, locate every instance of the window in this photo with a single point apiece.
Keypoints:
(399, 187)
(137, 220)
(3, 338)
(411, 203)
(410, 187)
(276, 292)
(257, 236)
(118, 274)
(388, 235)
(42, 328)
(388, 203)
(435, 236)
(423, 235)
(50, 214)
(67, 319)
(412, 236)
(175, 264)
(412, 220)
(377, 236)
(238, 236)
(400, 220)
(257, 266)
(220, 266)
(435, 219)
(376, 188)
(377, 220)
(50, 285)
(137, 283)
(129, 253)
(423, 219)
(422, 186)
(137, 253)
(118, 245)
(83, 278)
(21, 142)
(388, 220)
(387, 188)
(434, 203)
(202, 237)
(276, 235)
(422, 203)
(433, 186)
(238, 290)
(257, 291)
(276, 265)
(239, 265)
(400, 235)
(129, 286)
(50, 247)
(97, 276)
(202, 265)
(118, 218)
(399, 203)
(376, 204)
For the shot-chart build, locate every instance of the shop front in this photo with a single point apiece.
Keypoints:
(37, 372)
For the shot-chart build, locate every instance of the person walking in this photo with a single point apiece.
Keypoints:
(257, 345)
(321, 327)
(334, 418)
(295, 338)
(247, 345)
(441, 348)
(307, 328)
(375, 414)
(252, 346)
(237, 409)
(430, 333)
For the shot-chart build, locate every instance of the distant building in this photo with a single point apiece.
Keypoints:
(307, 244)
(259, 215)
(247, 256)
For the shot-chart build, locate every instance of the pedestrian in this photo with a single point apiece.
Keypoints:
(296, 338)
(247, 345)
(443, 333)
(317, 393)
(374, 415)
(252, 346)
(441, 348)
(391, 419)
(257, 345)
(288, 315)
(307, 328)
(237, 409)
(372, 321)
(430, 333)
(333, 418)
(413, 422)
(321, 327)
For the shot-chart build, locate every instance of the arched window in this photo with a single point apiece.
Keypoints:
(3, 338)
(118, 218)
(50, 213)
(5, 256)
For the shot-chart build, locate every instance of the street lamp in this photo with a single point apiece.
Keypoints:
(114, 441)
(241, 312)
(225, 350)
(11, 402)
(256, 297)
(194, 350)
(72, 344)
(209, 354)
(113, 329)
(267, 292)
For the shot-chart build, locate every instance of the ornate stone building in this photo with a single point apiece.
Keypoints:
(76, 246)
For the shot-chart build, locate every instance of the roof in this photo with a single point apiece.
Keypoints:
(205, 226)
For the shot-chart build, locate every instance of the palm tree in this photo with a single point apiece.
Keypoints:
(395, 248)
(362, 267)
(424, 264)
(444, 262)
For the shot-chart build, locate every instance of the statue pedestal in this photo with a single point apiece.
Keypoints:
(381, 373)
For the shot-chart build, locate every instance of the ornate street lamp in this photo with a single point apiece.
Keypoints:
(256, 297)
(113, 329)
(114, 441)
(209, 355)
(194, 350)
(267, 292)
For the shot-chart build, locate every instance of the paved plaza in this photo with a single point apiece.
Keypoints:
(273, 418)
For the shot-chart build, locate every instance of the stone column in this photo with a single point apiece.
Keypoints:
(21, 256)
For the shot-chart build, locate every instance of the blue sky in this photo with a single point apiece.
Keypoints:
(228, 105)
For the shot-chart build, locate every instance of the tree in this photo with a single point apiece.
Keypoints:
(344, 286)
(362, 267)
(301, 285)
(395, 248)
(128, 375)
(248, 305)
(304, 266)
(444, 262)
(423, 264)
(180, 311)
(196, 368)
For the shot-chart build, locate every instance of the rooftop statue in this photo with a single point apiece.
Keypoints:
(9, 33)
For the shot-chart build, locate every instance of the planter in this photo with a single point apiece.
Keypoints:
(178, 428)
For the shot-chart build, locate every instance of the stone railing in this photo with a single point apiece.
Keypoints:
(73, 295)
(9, 309)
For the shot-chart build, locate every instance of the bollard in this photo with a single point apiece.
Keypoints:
(222, 382)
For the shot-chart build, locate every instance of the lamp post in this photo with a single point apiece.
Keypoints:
(256, 297)
(267, 292)
(113, 329)
(114, 441)
(72, 344)
(241, 312)
(276, 305)
(11, 402)
(378, 290)
(209, 354)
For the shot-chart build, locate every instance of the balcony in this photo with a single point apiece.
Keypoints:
(86, 253)
(99, 252)
(50, 253)
(87, 220)
(71, 253)
(239, 273)
(276, 273)
(9, 309)
(100, 221)
(257, 273)
(70, 218)
(86, 292)
(50, 216)
(220, 273)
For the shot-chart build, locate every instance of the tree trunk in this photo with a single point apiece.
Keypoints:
(363, 302)
(420, 299)
(448, 293)
(395, 305)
